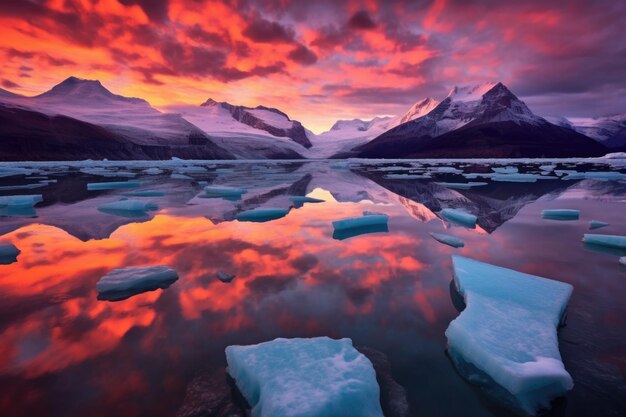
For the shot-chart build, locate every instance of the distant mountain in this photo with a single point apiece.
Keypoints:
(250, 132)
(130, 120)
(608, 130)
(346, 134)
(485, 120)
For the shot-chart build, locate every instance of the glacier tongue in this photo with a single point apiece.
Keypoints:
(316, 377)
(508, 332)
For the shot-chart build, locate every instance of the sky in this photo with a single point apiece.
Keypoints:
(322, 60)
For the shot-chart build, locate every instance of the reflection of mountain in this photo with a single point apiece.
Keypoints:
(494, 204)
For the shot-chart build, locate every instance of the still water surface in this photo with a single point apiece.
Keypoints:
(65, 353)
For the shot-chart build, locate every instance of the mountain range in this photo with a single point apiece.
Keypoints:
(81, 119)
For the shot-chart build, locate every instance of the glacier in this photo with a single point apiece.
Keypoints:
(123, 283)
(453, 241)
(316, 377)
(508, 331)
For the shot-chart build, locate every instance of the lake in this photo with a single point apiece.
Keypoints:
(64, 352)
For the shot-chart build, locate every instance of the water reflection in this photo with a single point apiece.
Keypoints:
(387, 290)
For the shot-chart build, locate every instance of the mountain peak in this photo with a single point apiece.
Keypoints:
(74, 89)
(420, 108)
(472, 92)
(210, 102)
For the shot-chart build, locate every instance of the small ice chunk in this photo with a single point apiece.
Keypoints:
(122, 283)
(622, 260)
(316, 377)
(93, 186)
(606, 240)
(516, 177)
(20, 201)
(367, 220)
(505, 170)
(462, 185)
(304, 199)
(596, 224)
(128, 205)
(261, 215)
(453, 241)
(225, 277)
(8, 253)
(144, 193)
(152, 171)
(508, 331)
(223, 191)
(22, 187)
(176, 176)
(407, 176)
(460, 217)
(560, 214)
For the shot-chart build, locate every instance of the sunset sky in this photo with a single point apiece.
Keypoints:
(322, 60)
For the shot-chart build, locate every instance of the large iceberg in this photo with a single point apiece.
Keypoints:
(606, 240)
(123, 283)
(453, 241)
(508, 333)
(261, 215)
(459, 217)
(8, 253)
(317, 377)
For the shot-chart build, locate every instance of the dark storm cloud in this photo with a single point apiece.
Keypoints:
(9, 84)
(265, 31)
(156, 10)
(361, 20)
(302, 55)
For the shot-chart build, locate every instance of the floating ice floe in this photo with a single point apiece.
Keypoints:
(317, 377)
(20, 201)
(145, 193)
(8, 253)
(560, 214)
(152, 171)
(505, 170)
(520, 177)
(225, 277)
(299, 200)
(462, 185)
(261, 215)
(340, 165)
(453, 241)
(596, 175)
(128, 208)
(104, 172)
(123, 283)
(370, 222)
(93, 186)
(459, 217)
(176, 176)
(214, 191)
(606, 240)
(22, 187)
(407, 176)
(508, 331)
(366, 220)
(596, 224)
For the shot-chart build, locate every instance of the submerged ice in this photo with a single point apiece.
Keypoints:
(261, 215)
(453, 241)
(508, 331)
(316, 377)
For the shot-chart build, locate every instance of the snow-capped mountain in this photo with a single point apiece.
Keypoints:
(77, 105)
(608, 130)
(251, 133)
(347, 134)
(479, 121)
